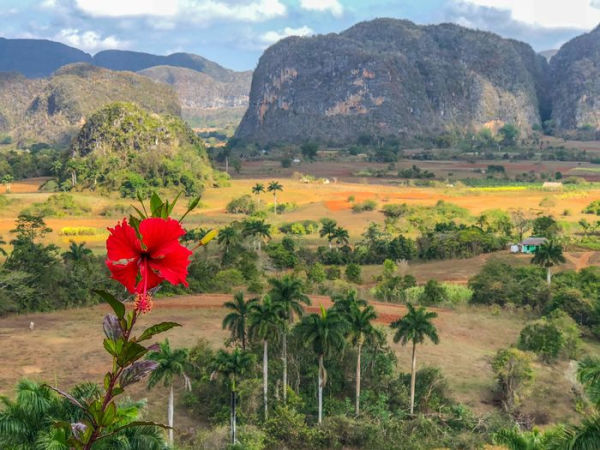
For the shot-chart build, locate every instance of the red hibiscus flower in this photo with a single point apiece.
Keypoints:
(141, 264)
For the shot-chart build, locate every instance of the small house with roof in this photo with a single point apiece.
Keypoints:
(529, 245)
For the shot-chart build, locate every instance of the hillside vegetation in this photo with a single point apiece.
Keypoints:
(123, 147)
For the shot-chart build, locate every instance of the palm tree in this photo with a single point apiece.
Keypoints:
(237, 320)
(273, 187)
(2, 242)
(258, 189)
(258, 230)
(265, 321)
(231, 366)
(288, 293)
(588, 374)
(30, 414)
(76, 252)
(325, 332)
(360, 330)
(547, 255)
(328, 227)
(171, 363)
(414, 327)
(341, 236)
(228, 236)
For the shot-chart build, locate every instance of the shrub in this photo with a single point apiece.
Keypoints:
(226, 280)
(367, 205)
(241, 205)
(353, 273)
(433, 293)
(118, 210)
(316, 273)
(593, 208)
(551, 336)
(58, 205)
(333, 273)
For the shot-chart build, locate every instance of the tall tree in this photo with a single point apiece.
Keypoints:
(287, 292)
(228, 236)
(414, 327)
(171, 364)
(232, 366)
(258, 230)
(274, 187)
(237, 320)
(258, 189)
(341, 236)
(325, 332)
(360, 330)
(265, 322)
(547, 255)
(328, 228)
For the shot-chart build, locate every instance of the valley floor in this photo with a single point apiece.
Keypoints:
(469, 338)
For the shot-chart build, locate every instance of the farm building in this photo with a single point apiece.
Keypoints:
(529, 245)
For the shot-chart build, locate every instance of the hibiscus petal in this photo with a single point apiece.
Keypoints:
(173, 266)
(126, 274)
(158, 233)
(122, 243)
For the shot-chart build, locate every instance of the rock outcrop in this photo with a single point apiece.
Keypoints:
(392, 77)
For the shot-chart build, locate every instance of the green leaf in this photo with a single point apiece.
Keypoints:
(109, 414)
(132, 351)
(155, 205)
(141, 200)
(156, 329)
(172, 204)
(117, 391)
(208, 237)
(110, 347)
(117, 306)
(142, 216)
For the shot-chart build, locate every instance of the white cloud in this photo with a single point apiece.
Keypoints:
(89, 41)
(581, 14)
(121, 8)
(333, 6)
(253, 11)
(270, 37)
(200, 11)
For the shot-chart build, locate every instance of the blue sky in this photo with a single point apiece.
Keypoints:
(234, 33)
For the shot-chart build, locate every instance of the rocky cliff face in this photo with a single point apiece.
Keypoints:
(575, 74)
(53, 109)
(204, 97)
(392, 77)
